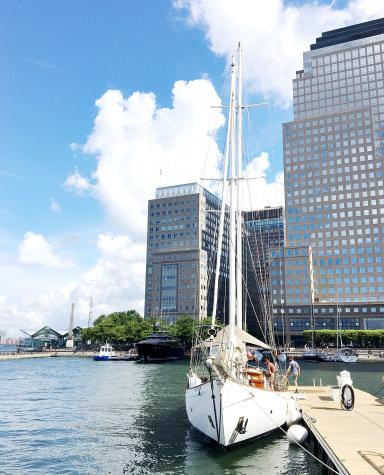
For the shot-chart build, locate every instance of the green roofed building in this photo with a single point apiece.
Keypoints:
(47, 337)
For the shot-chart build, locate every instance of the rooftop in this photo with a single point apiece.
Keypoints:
(183, 190)
(349, 33)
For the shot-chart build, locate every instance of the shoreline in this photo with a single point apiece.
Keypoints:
(363, 354)
(45, 354)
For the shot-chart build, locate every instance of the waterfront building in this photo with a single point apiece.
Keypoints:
(47, 337)
(181, 253)
(334, 194)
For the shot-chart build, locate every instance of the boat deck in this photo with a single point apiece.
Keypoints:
(352, 440)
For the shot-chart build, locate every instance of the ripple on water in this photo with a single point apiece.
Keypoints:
(74, 416)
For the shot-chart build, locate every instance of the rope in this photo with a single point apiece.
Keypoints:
(297, 443)
(214, 407)
(378, 391)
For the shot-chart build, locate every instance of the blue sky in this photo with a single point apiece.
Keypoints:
(58, 238)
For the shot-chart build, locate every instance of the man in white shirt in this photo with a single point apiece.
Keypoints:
(294, 368)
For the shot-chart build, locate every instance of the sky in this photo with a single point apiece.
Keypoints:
(96, 98)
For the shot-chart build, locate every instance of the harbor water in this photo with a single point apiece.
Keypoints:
(77, 416)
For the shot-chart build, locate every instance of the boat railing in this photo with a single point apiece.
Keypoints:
(219, 357)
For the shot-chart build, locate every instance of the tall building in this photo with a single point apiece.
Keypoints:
(264, 230)
(334, 194)
(181, 253)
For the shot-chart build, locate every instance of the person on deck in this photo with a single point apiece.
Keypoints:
(271, 373)
(294, 368)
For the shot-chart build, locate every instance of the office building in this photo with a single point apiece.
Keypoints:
(264, 231)
(181, 253)
(334, 194)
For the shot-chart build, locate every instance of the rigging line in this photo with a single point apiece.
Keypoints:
(214, 252)
(257, 273)
(257, 282)
(225, 80)
(263, 294)
(257, 249)
(253, 308)
(262, 274)
(297, 443)
(263, 270)
(211, 134)
(379, 391)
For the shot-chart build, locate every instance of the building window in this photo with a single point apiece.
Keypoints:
(299, 324)
(169, 287)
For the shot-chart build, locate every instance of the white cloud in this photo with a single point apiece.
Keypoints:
(115, 282)
(74, 146)
(55, 207)
(133, 140)
(273, 33)
(35, 249)
(257, 194)
(78, 184)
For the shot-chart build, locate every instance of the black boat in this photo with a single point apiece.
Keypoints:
(160, 346)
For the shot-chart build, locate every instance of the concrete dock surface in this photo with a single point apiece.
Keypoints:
(353, 440)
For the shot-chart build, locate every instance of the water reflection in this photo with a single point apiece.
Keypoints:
(76, 416)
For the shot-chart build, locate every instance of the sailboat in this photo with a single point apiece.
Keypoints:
(226, 400)
(343, 354)
(311, 353)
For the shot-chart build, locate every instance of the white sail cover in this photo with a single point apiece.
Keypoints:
(223, 336)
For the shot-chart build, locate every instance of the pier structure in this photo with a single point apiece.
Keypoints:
(350, 442)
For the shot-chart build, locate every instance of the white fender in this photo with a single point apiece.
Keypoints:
(297, 434)
(293, 413)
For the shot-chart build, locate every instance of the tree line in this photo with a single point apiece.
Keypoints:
(125, 328)
(359, 338)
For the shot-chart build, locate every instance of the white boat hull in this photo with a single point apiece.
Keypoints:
(237, 405)
(348, 358)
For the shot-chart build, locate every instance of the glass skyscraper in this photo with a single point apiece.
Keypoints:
(333, 167)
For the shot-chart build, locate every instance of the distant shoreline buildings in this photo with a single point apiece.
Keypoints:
(323, 266)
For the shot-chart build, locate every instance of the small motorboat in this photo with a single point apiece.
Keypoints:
(106, 353)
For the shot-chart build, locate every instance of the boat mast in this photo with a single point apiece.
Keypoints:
(222, 209)
(239, 243)
(232, 210)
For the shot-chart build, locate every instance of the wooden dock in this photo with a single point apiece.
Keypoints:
(353, 441)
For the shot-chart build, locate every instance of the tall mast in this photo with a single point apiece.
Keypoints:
(232, 210)
(239, 243)
(222, 210)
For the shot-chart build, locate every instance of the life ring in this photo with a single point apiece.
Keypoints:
(347, 397)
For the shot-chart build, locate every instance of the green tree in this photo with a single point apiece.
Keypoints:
(118, 328)
(183, 329)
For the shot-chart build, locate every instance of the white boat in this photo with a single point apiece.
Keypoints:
(106, 353)
(226, 400)
(230, 402)
(346, 355)
(342, 353)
